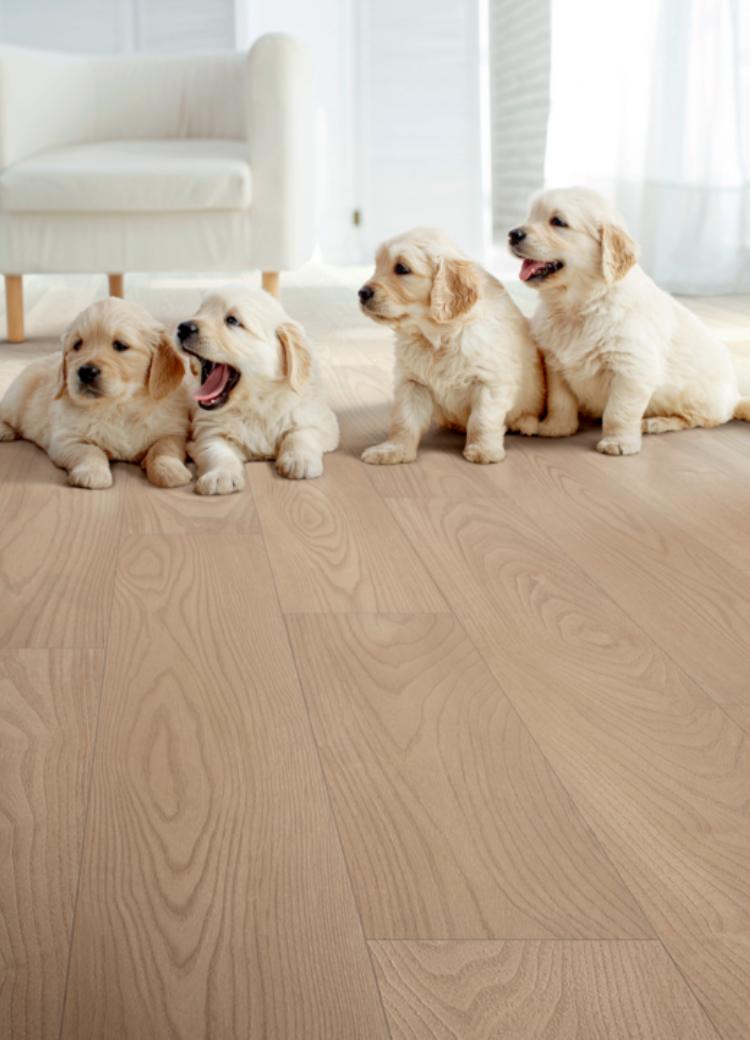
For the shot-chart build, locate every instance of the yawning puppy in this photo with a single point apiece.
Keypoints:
(117, 393)
(617, 346)
(464, 354)
(260, 394)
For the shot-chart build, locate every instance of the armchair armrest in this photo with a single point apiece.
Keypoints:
(46, 101)
(280, 114)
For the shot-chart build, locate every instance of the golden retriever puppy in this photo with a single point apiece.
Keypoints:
(617, 346)
(117, 393)
(260, 394)
(464, 354)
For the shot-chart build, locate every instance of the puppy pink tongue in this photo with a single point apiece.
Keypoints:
(530, 267)
(214, 385)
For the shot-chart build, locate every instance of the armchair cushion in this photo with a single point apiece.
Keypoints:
(143, 176)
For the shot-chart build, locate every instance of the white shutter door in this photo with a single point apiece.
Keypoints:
(419, 120)
(519, 79)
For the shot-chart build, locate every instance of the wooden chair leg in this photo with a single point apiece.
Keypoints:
(270, 282)
(116, 285)
(14, 307)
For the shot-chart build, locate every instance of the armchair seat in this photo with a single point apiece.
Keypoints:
(136, 176)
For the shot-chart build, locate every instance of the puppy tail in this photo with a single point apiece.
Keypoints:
(742, 410)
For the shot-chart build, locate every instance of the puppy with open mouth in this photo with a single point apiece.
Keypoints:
(117, 393)
(617, 347)
(259, 392)
(464, 353)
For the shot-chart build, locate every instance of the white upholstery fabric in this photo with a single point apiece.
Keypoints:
(151, 162)
(130, 175)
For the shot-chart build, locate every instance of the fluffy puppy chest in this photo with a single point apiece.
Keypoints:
(451, 371)
(126, 431)
(256, 430)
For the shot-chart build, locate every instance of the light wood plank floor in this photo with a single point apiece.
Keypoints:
(437, 752)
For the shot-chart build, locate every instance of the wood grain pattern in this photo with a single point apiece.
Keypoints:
(48, 703)
(214, 898)
(57, 555)
(651, 563)
(544, 990)
(658, 769)
(181, 511)
(526, 683)
(338, 552)
(453, 823)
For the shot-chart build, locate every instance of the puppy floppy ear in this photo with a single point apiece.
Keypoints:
(296, 360)
(455, 289)
(62, 378)
(619, 252)
(62, 375)
(166, 371)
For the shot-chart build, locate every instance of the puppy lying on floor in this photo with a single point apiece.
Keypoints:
(117, 393)
(260, 394)
(464, 353)
(617, 347)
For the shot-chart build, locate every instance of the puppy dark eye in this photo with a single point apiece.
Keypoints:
(78, 344)
(119, 345)
(401, 269)
(558, 222)
(231, 320)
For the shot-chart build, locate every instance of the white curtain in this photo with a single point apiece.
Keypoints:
(650, 103)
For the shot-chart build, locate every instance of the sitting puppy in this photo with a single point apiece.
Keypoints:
(117, 393)
(464, 354)
(617, 347)
(260, 394)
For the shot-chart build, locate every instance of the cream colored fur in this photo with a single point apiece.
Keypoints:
(618, 347)
(277, 410)
(137, 411)
(464, 354)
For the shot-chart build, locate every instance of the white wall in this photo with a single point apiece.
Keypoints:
(106, 26)
(420, 120)
(519, 66)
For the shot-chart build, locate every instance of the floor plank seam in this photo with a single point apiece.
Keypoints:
(584, 817)
(90, 780)
(324, 783)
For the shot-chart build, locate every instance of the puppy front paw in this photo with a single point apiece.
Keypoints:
(551, 427)
(297, 465)
(623, 445)
(484, 455)
(169, 472)
(92, 477)
(7, 433)
(219, 482)
(528, 425)
(387, 454)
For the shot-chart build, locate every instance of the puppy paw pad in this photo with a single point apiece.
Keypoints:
(295, 466)
(555, 429)
(619, 446)
(528, 425)
(170, 473)
(386, 454)
(483, 456)
(219, 483)
(90, 477)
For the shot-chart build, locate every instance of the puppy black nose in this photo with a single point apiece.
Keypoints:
(88, 373)
(185, 330)
(516, 235)
(365, 294)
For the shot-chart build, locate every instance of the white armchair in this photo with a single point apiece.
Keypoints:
(192, 162)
